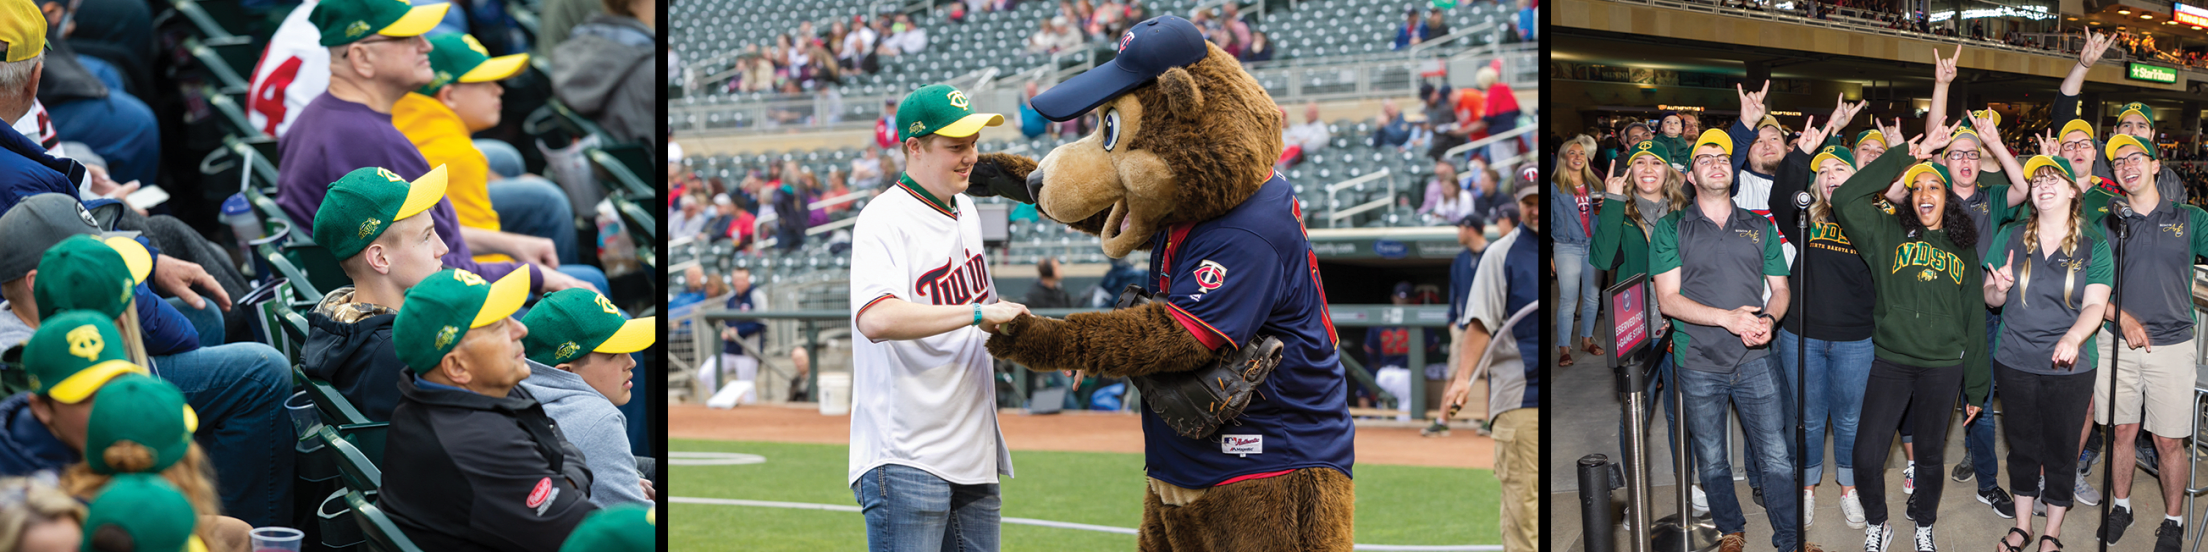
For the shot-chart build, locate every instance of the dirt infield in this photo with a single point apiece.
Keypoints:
(1071, 431)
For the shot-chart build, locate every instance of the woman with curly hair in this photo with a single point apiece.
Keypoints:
(1572, 208)
(1929, 338)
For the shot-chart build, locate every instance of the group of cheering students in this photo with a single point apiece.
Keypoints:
(1932, 281)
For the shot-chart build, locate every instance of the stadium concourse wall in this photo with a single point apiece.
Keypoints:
(1709, 23)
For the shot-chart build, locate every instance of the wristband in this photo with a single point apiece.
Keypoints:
(977, 314)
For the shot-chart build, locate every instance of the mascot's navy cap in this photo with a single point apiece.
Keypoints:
(1145, 51)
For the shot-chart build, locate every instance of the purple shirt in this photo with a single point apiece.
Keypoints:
(332, 137)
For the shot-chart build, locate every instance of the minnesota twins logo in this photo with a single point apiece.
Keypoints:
(1210, 275)
(368, 227)
(445, 336)
(1832, 150)
(1125, 38)
(1645, 146)
(958, 99)
(85, 342)
(606, 305)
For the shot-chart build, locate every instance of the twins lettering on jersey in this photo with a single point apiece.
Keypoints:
(956, 282)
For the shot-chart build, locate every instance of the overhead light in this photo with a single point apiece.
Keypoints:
(2196, 28)
(2124, 12)
(2073, 19)
(2146, 16)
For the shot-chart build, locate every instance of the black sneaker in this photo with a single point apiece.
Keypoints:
(2002, 505)
(1962, 472)
(2085, 461)
(2167, 537)
(2113, 526)
(1757, 494)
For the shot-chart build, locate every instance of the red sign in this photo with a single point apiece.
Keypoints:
(2190, 15)
(1630, 316)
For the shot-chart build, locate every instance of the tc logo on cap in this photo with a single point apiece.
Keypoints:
(85, 342)
(1125, 38)
(958, 99)
(1645, 146)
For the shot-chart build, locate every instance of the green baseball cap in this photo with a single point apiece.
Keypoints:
(458, 57)
(344, 22)
(89, 273)
(365, 202)
(440, 310)
(1716, 137)
(2078, 125)
(2060, 163)
(1909, 179)
(142, 410)
(74, 353)
(570, 323)
(1870, 134)
(1845, 155)
(2139, 108)
(1649, 148)
(940, 109)
(625, 528)
(156, 516)
(2122, 140)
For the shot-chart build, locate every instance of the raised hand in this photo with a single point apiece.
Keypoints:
(1843, 114)
(1930, 144)
(1812, 136)
(1944, 68)
(2002, 279)
(1751, 104)
(1893, 134)
(1986, 129)
(2095, 45)
(1615, 183)
(2048, 144)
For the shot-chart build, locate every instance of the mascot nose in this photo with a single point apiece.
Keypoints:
(1035, 185)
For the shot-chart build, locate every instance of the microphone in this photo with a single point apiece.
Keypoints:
(2122, 208)
(1801, 200)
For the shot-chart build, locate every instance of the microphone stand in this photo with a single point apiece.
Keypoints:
(2116, 222)
(1801, 367)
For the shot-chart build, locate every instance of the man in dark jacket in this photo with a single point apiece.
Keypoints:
(487, 469)
(1049, 291)
(369, 222)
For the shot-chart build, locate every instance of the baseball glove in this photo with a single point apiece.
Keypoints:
(1196, 402)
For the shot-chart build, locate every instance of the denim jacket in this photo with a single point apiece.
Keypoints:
(1562, 220)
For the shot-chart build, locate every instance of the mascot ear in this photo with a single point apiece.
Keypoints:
(1181, 92)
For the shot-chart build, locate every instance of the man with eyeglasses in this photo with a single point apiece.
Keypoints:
(2156, 324)
(2136, 120)
(377, 56)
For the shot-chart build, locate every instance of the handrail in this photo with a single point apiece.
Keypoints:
(1337, 216)
(1483, 142)
(1423, 46)
(831, 227)
(1339, 186)
(842, 199)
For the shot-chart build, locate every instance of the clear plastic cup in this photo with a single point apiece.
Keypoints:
(277, 539)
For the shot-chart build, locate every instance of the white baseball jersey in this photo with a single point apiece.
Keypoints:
(39, 127)
(293, 70)
(927, 403)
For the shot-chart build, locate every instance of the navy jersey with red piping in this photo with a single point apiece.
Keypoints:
(1230, 279)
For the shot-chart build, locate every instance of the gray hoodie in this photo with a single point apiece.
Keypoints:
(607, 71)
(592, 424)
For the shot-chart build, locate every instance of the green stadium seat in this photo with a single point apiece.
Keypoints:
(383, 535)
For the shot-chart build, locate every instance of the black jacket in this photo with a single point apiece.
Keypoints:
(357, 359)
(481, 473)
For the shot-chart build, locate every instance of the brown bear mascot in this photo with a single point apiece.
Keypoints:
(1181, 165)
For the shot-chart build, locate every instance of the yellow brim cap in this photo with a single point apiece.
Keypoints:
(191, 419)
(496, 69)
(1909, 179)
(196, 545)
(2121, 140)
(2078, 125)
(1714, 136)
(634, 335)
(1819, 160)
(2031, 166)
(418, 20)
(506, 296)
(89, 380)
(970, 124)
(134, 256)
(423, 193)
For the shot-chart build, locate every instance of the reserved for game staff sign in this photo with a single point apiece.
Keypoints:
(2151, 73)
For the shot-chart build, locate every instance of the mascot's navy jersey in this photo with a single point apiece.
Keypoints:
(1248, 273)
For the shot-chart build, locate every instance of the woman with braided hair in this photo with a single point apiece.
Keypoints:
(2052, 285)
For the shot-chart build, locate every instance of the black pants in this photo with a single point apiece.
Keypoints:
(1894, 387)
(2044, 413)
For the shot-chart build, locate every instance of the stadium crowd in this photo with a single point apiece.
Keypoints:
(151, 394)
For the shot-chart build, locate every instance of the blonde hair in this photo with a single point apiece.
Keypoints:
(192, 475)
(1674, 192)
(2069, 239)
(1820, 207)
(1586, 175)
(39, 503)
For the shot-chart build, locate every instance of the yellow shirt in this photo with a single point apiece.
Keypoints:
(444, 140)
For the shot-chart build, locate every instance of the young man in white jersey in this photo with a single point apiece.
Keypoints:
(925, 447)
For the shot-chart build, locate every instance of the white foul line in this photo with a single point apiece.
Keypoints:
(1058, 524)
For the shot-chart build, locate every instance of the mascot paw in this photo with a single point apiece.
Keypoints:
(1002, 174)
(1022, 340)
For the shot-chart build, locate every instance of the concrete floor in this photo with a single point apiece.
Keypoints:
(1965, 523)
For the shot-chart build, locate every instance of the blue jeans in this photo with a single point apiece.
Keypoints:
(1978, 436)
(1752, 388)
(1837, 372)
(207, 321)
(119, 127)
(1575, 285)
(533, 206)
(505, 161)
(910, 510)
(239, 390)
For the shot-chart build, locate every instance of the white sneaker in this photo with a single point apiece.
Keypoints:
(1877, 537)
(1924, 539)
(1701, 502)
(1909, 479)
(1851, 507)
(1809, 507)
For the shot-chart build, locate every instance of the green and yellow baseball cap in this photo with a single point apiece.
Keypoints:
(74, 353)
(440, 310)
(142, 410)
(2141, 109)
(458, 57)
(1909, 179)
(2060, 163)
(1870, 134)
(156, 516)
(2078, 125)
(1845, 155)
(570, 323)
(1649, 148)
(347, 21)
(940, 109)
(23, 28)
(1965, 131)
(1714, 136)
(365, 202)
(89, 273)
(2114, 142)
(1770, 121)
(625, 528)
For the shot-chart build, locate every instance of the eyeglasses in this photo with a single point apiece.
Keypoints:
(2133, 159)
(2077, 145)
(1962, 155)
(1699, 160)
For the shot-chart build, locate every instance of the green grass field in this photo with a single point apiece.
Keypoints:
(1395, 504)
